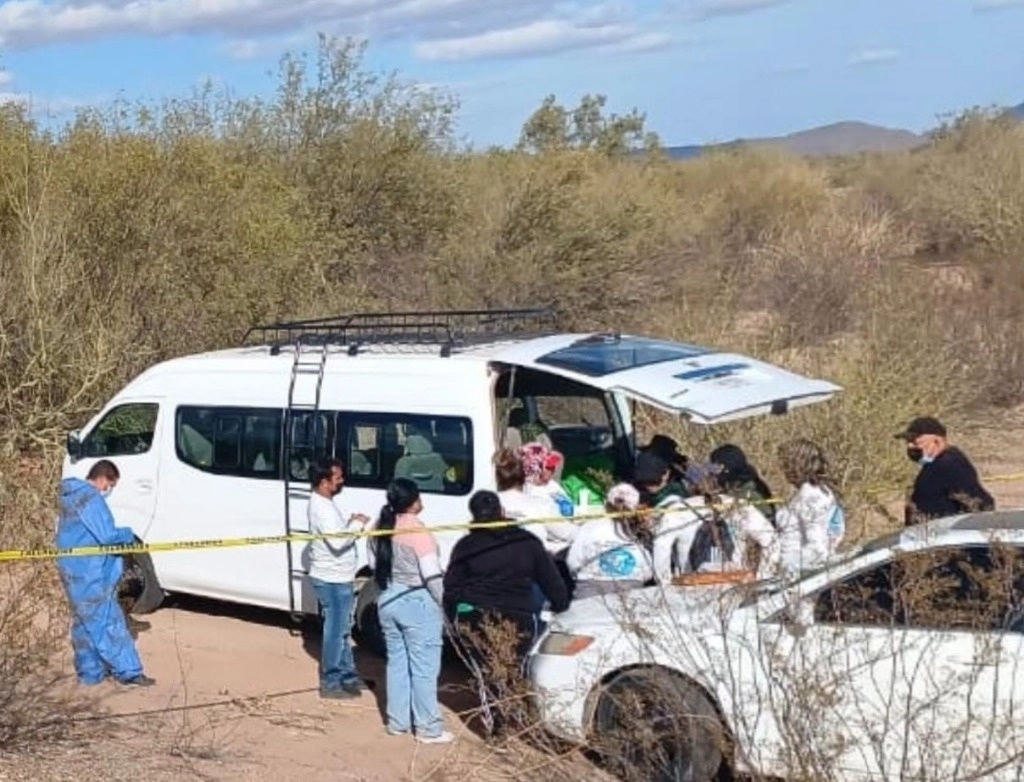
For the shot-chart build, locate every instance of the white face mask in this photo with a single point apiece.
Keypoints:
(106, 492)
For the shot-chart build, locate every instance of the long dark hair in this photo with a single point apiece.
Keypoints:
(736, 470)
(402, 494)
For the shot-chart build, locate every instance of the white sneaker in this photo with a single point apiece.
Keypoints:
(444, 737)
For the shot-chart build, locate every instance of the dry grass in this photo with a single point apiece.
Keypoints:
(150, 231)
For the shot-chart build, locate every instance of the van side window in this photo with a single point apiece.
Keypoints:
(435, 452)
(126, 430)
(309, 438)
(243, 442)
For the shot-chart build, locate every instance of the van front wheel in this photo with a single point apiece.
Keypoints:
(139, 589)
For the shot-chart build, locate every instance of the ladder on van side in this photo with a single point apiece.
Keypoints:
(305, 387)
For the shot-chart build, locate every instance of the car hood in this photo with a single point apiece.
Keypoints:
(633, 610)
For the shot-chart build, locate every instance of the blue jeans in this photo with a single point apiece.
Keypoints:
(337, 665)
(412, 623)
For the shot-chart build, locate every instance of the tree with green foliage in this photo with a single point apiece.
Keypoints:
(552, 127)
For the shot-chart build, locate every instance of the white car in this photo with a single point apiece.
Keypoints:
(899, 660)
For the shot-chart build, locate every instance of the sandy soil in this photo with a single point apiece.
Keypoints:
(235, 699)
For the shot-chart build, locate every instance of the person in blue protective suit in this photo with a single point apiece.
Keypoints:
(102, 644)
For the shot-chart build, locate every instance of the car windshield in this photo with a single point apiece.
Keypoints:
(773, 586)
(602, 355)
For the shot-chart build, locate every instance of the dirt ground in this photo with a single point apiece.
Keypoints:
(236, 698)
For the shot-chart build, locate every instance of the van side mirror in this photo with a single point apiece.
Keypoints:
(74, 446)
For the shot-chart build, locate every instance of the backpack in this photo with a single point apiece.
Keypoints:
(713, 533)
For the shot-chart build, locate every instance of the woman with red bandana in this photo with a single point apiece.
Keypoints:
(540, 465)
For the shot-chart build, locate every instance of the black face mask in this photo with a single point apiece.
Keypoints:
(915, 454)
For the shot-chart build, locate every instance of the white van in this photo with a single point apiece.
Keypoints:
(217, 445)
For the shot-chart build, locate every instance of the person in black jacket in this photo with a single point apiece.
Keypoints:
(488, 595)
(947, 483)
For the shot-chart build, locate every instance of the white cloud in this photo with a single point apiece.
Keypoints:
(546, 36)
(873, 57)
(5, 78)
(251, 29)
(981, 6)
(243, 49)
(708, 9)
(642, 42)
(48, 106)
(25, 23)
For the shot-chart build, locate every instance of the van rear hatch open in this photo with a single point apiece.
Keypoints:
(704, 386)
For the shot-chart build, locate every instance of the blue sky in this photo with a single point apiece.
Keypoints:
(702, 70)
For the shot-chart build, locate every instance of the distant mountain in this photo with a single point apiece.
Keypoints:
(840, 138)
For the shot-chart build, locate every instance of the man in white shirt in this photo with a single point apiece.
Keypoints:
(332, 571)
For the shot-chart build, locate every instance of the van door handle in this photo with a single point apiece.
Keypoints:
(144, 486)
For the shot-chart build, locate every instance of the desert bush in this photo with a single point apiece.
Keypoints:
(35, 706)
(963, 191)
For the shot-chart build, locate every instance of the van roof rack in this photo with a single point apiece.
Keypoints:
(447, 329)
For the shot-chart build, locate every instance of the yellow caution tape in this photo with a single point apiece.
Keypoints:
(44, 553)
(12, 555)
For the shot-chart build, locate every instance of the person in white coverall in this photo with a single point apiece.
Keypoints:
(680, 545)
(613, 553)
(811, 523)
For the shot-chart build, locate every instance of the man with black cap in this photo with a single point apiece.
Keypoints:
(667, 449)
(652, 477)
(947, 484)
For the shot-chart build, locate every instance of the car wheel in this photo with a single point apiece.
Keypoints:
(139, 589)
(653, 725)
(366, 622)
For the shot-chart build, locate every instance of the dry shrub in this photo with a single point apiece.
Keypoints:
(969, 190)
(816, 278)
(750, 196)
(34, 707)
(489, 651)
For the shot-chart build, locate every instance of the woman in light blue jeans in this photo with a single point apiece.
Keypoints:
(408, 573)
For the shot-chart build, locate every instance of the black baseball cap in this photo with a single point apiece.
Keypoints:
(666, 449)
(922, 425)
(650, 468)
